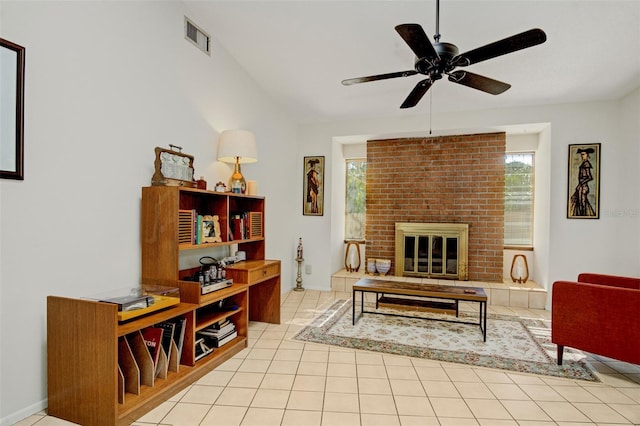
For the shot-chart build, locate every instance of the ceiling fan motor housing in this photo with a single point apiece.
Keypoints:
(435, 67)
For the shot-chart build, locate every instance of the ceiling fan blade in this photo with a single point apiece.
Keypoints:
(417, 93)
(501, 47)
(417, 39)
(479, 82)
(351, 81)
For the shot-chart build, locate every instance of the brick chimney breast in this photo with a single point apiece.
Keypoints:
(445, 179)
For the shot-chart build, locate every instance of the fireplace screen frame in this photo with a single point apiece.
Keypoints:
(432, 232)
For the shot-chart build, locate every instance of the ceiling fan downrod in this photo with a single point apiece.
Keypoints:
(436, 37)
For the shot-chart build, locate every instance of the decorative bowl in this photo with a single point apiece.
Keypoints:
(383, 266)
(371, 266)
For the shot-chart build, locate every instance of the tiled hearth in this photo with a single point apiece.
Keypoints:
(529, 295)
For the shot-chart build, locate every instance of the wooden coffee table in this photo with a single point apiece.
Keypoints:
(426, 298)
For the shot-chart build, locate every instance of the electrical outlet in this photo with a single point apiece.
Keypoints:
(307, 269)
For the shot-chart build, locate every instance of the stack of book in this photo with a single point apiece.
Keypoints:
(218, 334)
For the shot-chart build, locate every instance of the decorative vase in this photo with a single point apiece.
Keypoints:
(519, 269)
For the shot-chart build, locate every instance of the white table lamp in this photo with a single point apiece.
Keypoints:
(237, 146)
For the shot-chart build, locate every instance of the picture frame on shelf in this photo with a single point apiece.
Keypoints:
(313, 196)
(583, 198)
(211, 229)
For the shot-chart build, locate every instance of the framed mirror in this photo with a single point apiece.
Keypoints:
(11, 110)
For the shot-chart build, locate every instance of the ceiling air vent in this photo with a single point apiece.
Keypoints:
(196, 36)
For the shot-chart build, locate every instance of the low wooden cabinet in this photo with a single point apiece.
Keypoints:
(263, 279)
(85, 379)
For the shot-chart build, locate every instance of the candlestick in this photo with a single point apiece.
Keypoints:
(252, 187)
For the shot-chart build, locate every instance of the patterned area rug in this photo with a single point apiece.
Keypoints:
(513, 343)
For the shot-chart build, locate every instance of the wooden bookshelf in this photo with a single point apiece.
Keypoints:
(161, 248)
(97, 373)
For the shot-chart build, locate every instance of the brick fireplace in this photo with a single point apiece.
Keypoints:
(445, 179)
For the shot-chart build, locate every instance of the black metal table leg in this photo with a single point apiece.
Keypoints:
(484, 320)
(353, 307)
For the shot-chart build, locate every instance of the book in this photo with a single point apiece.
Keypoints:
(212, 332)
(194, 219)
(202, 349)
(225, 340)
(178, 335)
(236, 227)
(220, 324)
(217, 334)
(199, 229)
(167, 335)
(153, 339)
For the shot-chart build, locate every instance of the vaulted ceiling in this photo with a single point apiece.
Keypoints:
(299, 51)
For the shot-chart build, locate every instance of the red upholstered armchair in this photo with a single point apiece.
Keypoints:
(598, 314)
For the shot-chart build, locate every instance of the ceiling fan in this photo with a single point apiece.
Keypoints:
(440, 58)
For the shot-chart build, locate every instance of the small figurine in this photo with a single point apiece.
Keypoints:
(299, 260)
(299, 248)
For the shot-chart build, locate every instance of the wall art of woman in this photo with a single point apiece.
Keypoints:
(313, 177)
(313, 185)
(579, 204)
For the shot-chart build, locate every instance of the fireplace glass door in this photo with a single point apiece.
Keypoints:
(431, 255)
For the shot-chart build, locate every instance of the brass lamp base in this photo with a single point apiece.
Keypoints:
(237, 183)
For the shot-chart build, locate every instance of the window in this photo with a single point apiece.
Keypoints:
(356, 196)
(518, 199)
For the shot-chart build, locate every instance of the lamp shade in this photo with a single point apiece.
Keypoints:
(237, 145)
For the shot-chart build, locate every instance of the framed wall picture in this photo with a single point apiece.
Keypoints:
(584, 181)
(12, 111)
(313, 197)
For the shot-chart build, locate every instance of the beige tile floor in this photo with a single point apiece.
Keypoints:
(277, 381)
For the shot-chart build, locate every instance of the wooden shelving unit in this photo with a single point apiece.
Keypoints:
(86, 383)
(82, 359)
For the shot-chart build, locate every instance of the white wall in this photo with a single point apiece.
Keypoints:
(608, 245)
(106, 82)
(626, 211)
(541, 208)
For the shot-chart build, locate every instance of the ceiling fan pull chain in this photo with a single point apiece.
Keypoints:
(430, 110)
